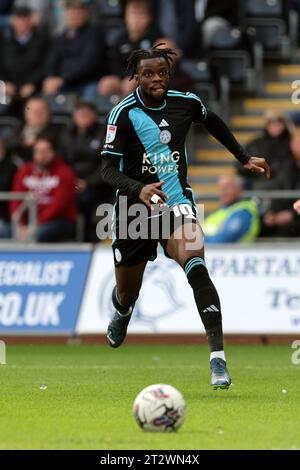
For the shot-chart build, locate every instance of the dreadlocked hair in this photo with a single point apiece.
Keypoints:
(152, 53)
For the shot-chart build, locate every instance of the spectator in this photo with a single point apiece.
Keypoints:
(275, 145)
(37, 121)
(80, 148)
(280, 220)
(24, 49)
(48, 14)
(78, 56)
(53, 183)
(180, 80)
(5, 11)
(176, 20)
(7, 171)
(139, 33)
(237, 220)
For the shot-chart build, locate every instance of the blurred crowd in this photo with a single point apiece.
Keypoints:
(79, 48)
(279, 142)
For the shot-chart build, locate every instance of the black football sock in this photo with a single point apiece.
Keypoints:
(124, 310)
(207, 301)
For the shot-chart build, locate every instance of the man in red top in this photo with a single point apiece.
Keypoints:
(53, 183)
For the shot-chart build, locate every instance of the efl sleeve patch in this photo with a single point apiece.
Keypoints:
(111, 133)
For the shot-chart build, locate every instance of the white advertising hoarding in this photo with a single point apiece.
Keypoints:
(259, 287)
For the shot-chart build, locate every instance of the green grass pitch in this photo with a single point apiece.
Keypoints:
(91, 389)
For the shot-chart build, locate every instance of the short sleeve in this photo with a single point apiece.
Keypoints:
(198, 108)
(114, 138)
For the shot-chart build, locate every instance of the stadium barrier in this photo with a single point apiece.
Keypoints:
(64, 291)
(41, 288)
(263, 194)
(28, 204)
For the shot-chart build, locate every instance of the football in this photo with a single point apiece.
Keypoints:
(159, 408)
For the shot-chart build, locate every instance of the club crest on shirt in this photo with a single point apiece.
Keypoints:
(110, 134)
(165, 137)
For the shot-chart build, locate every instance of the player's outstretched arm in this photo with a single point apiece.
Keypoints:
(218, 129)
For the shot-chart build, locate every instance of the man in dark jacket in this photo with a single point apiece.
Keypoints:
(275, 143)
(23, 53)
(7, 171)
(281, 220)
(80, 149)
(78, 56)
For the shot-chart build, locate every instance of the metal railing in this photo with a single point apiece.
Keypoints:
(259, 194)
(29, 203)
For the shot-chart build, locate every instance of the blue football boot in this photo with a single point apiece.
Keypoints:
(220, 377)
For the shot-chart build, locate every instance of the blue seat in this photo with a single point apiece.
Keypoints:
(264, 8)
(61, 104)
(273, 35)
(104, 104)
(198, 70)
(226, 39)
(8, 126)
(232, 63)
(109, 8)
(268, 32)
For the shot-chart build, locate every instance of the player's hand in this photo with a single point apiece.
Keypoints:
(258, 165)
(297, 206)
(149, 190)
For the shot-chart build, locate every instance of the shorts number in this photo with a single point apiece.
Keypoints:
(184, 209)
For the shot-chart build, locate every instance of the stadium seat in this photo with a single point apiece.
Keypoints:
(197, 69)
(212, 90)
(111, 29)
(236, 65)
(109, 8)
(226, 39)
(8, 126)
(61, 122)
(4, 109)
(272, 34)
(108, 15)
(105, 103)
(274, 25)
(61, 104)
(265, 8)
